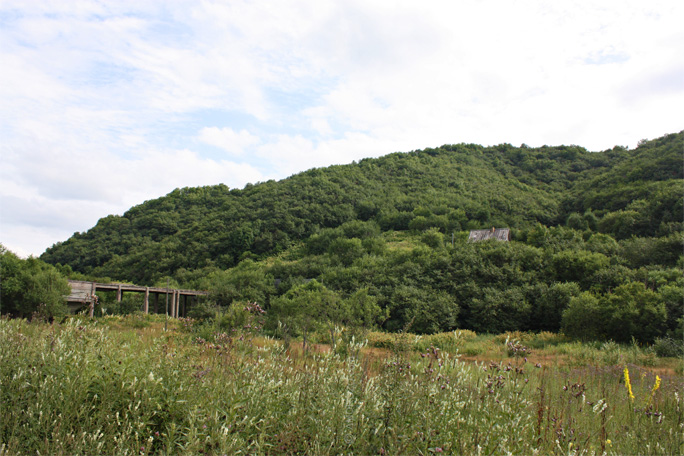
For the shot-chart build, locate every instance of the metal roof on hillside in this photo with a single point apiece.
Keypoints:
(500, 234)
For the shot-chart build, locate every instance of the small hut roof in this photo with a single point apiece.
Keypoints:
(500, 234)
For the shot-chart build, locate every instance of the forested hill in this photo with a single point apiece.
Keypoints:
(620, 192)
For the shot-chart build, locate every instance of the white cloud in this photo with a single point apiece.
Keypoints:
(228, 139)
(106, 104)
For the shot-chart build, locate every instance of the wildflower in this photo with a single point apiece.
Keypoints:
(656, 385)
(609, 443)
(628, 384)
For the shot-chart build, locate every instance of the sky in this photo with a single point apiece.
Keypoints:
(107, 104)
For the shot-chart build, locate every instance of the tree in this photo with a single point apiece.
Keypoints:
(584, 318)
(346, 251)
(552, 303)
(247, 281)
(630, 311)
(577, 222)
(433, 238)
(31, 287)
(577, 265)
(497, 311)
(305, 308)
(673, 297)
(634, 311)
(362, 310)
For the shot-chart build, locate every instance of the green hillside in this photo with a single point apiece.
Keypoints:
(596, 236)
(450, 188)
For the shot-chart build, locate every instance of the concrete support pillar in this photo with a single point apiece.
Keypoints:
(147, 300)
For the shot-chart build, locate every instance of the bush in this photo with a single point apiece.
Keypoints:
(381, 340)
(667, 347)
(31, 288)
(203, 311)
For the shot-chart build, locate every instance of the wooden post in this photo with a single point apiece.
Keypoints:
(119, 293)
(167, 304)
(147, 300)
(172, 312)
(92, 299)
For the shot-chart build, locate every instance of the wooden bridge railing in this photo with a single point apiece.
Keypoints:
(83, 293)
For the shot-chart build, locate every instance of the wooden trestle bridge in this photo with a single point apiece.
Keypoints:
(83, 294)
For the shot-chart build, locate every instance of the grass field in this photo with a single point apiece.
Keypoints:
(123, 385)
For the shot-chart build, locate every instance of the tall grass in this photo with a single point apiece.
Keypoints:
(92, 388)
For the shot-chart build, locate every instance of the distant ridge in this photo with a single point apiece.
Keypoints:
(452, 188)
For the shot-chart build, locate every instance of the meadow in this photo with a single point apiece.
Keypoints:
(125, 385)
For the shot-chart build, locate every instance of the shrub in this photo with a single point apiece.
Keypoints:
(381, 340)
(666, 347)
(203, 311)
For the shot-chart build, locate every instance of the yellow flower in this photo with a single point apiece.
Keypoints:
(656, 385)
(609, 443)
(628, 384)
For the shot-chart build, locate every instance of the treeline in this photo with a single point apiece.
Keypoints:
(596, 250)
(583, 283)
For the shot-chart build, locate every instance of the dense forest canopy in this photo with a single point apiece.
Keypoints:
(594, 235)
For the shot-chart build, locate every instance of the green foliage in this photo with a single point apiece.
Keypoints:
(304, 309)
(31, 287)
(552, 303)
(498, 311)
(87, 388)
(577, 265)
(669, 347)
(396, 227)
(362, 310)
(630, 312)
(433, 238)
(203, 311)
(673, 298)
(245, 282)
(585, 318)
